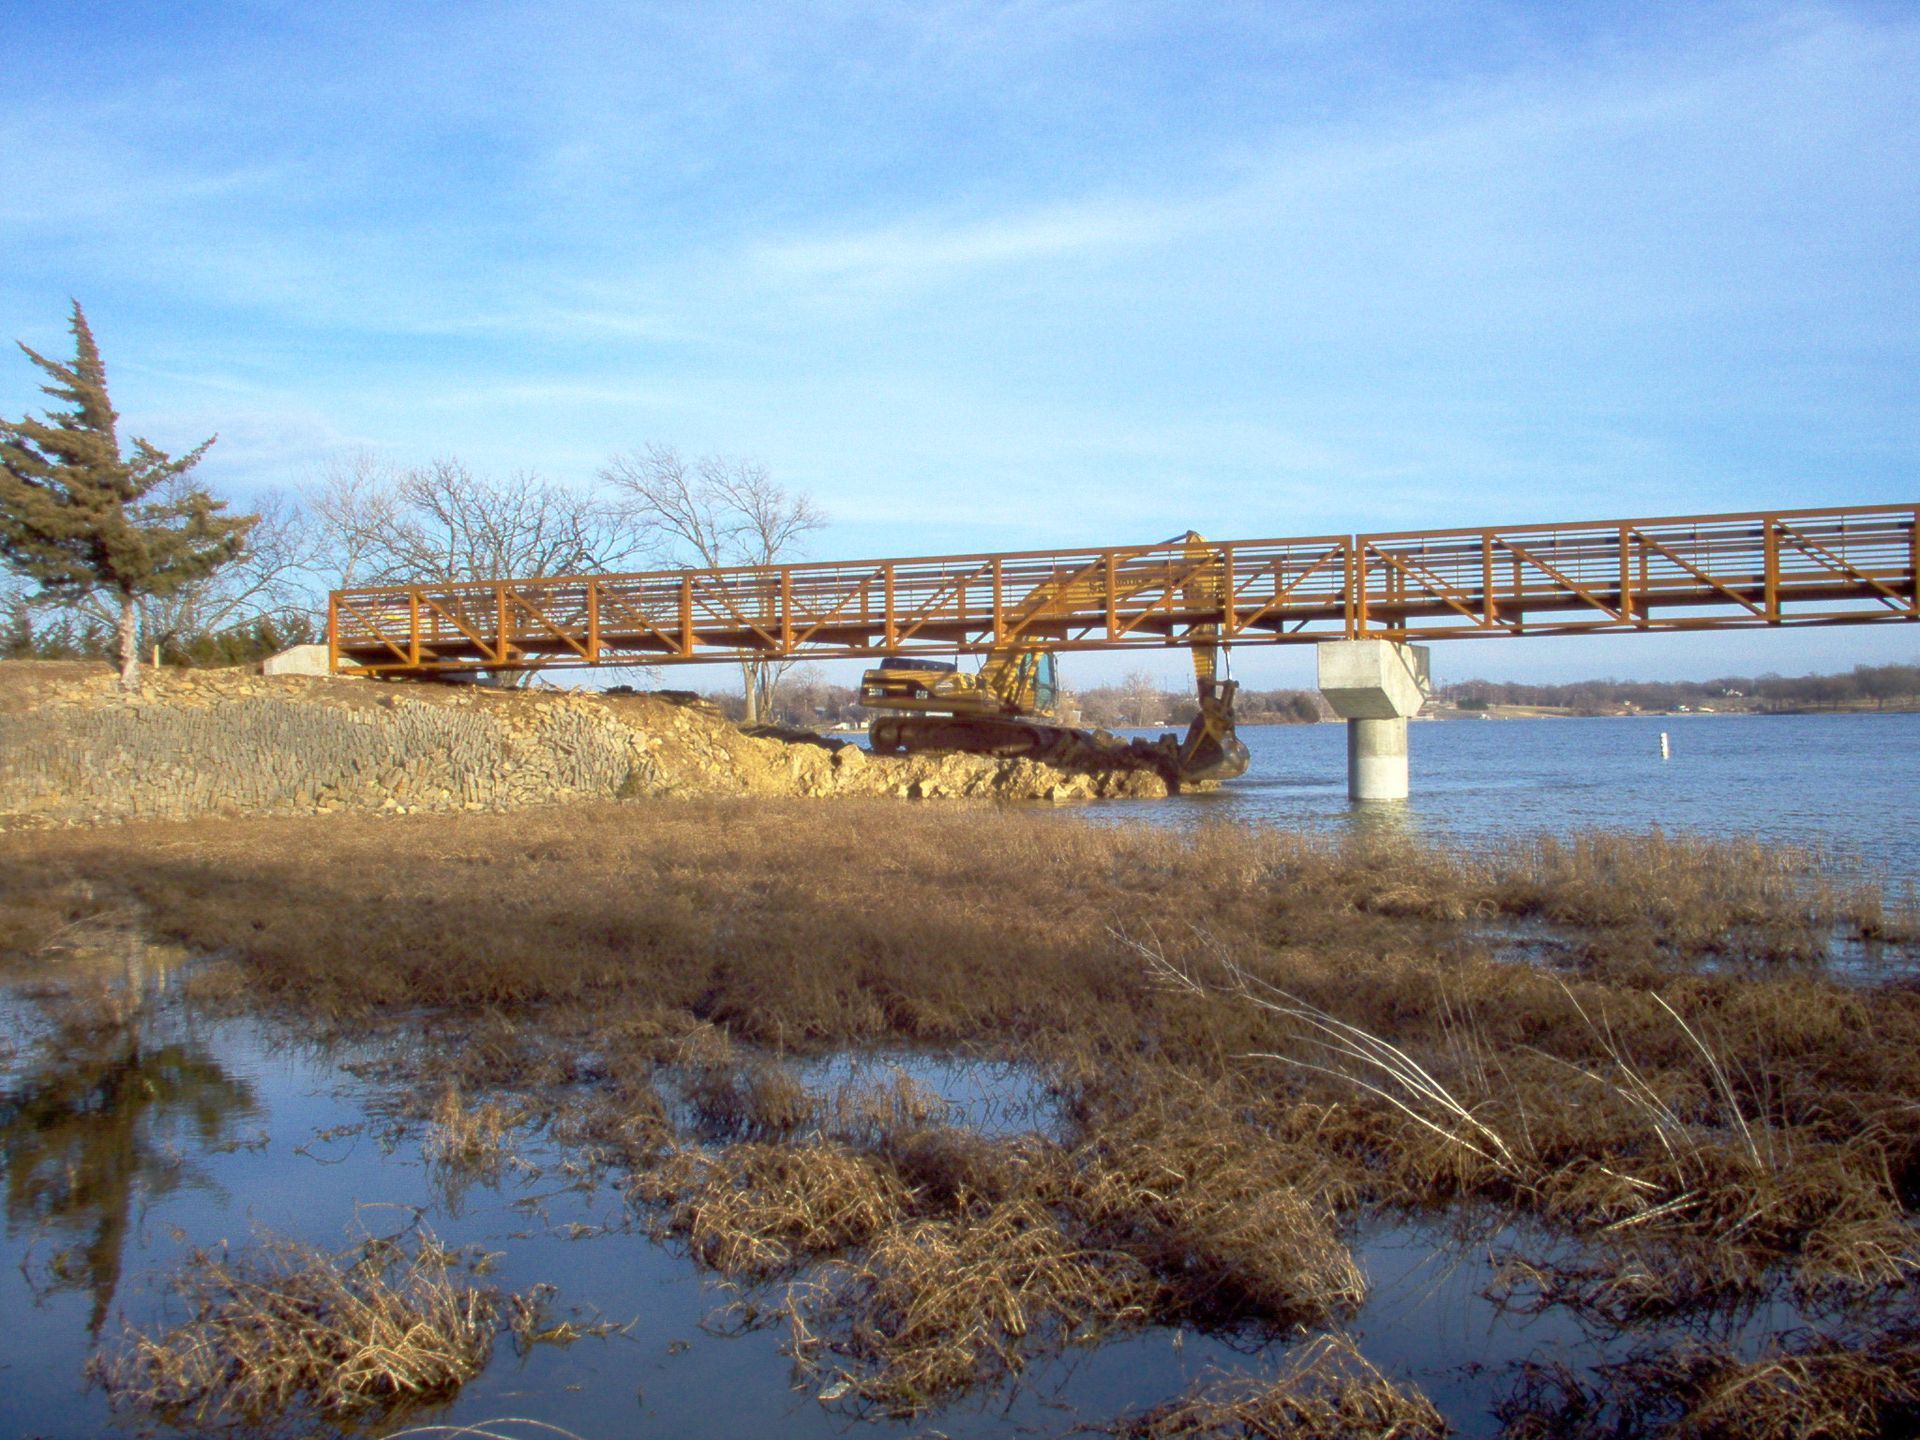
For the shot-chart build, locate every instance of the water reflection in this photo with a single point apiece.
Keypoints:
(92, 1125)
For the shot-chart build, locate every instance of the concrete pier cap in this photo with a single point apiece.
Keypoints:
(1375, 685)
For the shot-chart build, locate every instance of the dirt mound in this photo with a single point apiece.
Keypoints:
(74, 749)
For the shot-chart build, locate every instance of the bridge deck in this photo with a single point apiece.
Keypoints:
(1832, 566)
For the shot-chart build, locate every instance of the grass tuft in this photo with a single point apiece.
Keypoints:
(1327, 1390)
(934, 1308)
(281, 1335)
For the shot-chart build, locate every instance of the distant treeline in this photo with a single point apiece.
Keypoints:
(1864, 686)
(1127, 705)
(66, 635)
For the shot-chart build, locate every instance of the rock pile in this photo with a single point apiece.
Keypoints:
(74, 749)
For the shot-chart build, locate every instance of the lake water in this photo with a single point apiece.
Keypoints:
(1847, 784)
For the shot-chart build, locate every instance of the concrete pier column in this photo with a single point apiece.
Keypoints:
(1374, 685)
(1377, 759)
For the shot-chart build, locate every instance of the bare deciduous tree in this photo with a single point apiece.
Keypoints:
(387, 526)
(383, 525)
(716, 511)
(354, 508)
(267, 581)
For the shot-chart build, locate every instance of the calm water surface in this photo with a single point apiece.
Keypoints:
(1848, 784)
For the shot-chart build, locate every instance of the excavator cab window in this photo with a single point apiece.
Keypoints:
(1045, 685)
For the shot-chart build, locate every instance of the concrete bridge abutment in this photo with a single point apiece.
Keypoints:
(1375, 686)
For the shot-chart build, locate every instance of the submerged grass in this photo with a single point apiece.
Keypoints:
(1254, 1037)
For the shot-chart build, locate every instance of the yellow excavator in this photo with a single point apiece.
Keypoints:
(1010, 706)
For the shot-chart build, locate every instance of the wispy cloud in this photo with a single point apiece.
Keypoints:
(929, 249)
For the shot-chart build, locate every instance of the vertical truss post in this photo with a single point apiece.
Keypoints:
(1626, 572)
(1350, 602)
(889, 619)
(999, 604)
(1489, 607)
(1913, 565)
(333, 633)
(1230, 609)
(1770, 549)
(1113, 612)
(593, 621)
(501, 619)
(686, 613)
(786, 610)
(413, 626)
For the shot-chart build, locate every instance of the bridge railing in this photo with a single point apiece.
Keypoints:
(1720, 571)
(1820, 566)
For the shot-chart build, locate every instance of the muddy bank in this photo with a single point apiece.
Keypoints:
(74, 750)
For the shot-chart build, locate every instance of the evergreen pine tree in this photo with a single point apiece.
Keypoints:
(81, 519)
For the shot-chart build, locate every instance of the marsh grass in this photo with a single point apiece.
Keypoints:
(1690, 1096)
(1825, 1386)
(755, 1211)
(758, 1098)
(1241, 1228)
(934, 1307)
(474, 1139)
(1730, 1194)
(1326, 1390)
(280, 1335)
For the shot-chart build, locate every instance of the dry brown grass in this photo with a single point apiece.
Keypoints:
(1694, 897)
(1327, 1390)
(1712, 1129)
(281, 1336)
(1823, 1388)
(471, 1139)
(754, 1211)
(876, 1112)
(1239, 1225)
(933, 1308)
(759, 1098)
(1634, 1155)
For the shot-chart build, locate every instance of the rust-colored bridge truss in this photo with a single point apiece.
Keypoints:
(1835, 566)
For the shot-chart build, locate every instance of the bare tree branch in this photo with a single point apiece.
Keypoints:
(441, 521)
(716, 511)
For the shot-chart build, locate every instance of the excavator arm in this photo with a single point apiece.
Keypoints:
(1211, 750)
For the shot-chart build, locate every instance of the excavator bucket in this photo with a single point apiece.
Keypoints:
(1212, 751)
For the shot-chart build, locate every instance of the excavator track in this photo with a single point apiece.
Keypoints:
(974, 734)
(1010, 739)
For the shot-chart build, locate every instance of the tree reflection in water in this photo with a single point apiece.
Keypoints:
(92, 1127)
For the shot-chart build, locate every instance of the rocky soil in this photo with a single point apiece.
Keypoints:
(75, 750)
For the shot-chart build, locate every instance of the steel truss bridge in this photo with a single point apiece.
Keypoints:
(1831, 566)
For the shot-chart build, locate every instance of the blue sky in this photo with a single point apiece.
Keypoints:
(986, 276)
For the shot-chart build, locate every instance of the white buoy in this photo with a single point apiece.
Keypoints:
(1666, 750)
